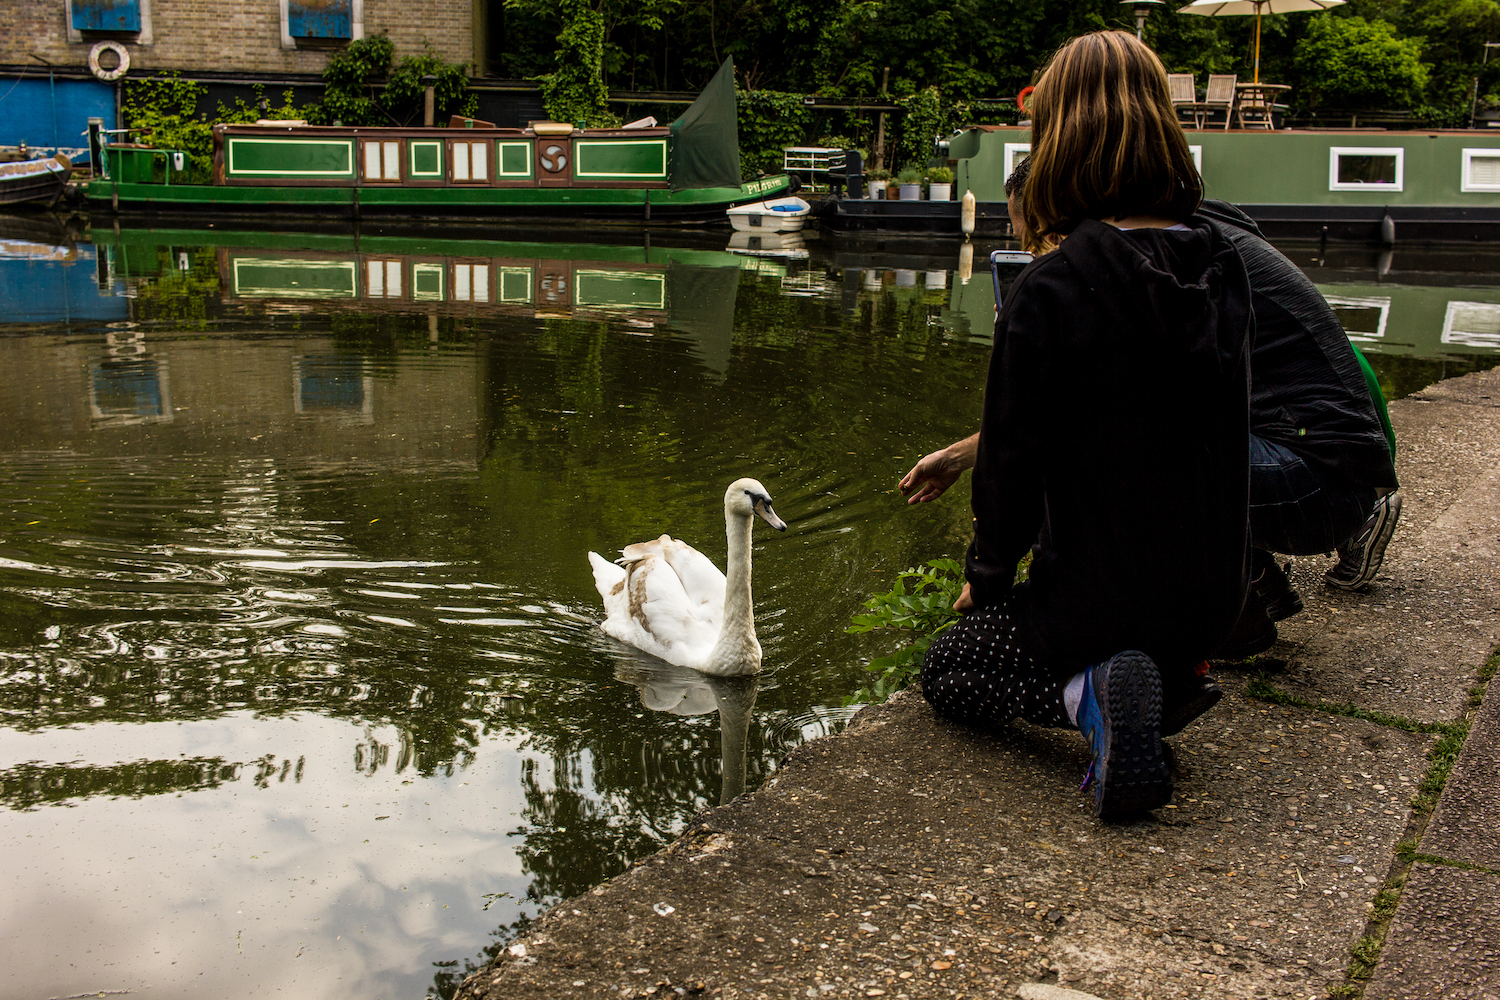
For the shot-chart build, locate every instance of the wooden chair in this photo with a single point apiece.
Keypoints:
(1220, 96)
(1253, 110)
(1185, 98)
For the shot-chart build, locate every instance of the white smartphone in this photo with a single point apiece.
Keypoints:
(1005, 266)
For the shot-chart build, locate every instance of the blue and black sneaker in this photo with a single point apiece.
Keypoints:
(1120, 716)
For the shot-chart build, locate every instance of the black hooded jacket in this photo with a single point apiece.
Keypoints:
(1308, 393)
(1116, 413)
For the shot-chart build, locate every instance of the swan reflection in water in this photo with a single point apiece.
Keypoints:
(665, 687)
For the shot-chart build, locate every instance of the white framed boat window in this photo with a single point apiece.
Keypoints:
(382, 279)
(425, 159)
(382, 159)
(1472, 324)
(620, 289)
(1015, 152)
(427, 282)
(515, 285)
(471, 283)
(513, 159)
(1362, 317)
(1366, 168)
(1481, 170)
(470, 161)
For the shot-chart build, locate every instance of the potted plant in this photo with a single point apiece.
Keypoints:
(939, 184)
(878, 180)
(910, 179)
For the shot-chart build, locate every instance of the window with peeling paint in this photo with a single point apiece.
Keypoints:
(107, 15)
(329, 19)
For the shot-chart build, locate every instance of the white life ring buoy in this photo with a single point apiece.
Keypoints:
(109, 75)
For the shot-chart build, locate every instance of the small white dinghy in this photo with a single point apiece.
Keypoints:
(779, 215)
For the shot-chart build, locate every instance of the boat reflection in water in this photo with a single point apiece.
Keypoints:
(686, 291)
(665, 687)
(1425, 302)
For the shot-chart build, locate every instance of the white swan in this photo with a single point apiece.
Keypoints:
(664, 597)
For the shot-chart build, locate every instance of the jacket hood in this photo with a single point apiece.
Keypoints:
(1192, 282)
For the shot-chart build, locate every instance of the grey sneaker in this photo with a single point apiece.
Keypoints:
(1360, 557)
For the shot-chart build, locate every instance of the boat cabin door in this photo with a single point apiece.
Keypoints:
(554, 162)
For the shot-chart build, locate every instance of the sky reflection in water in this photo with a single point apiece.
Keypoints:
(298, 663)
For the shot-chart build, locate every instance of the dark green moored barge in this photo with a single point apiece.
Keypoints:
(688, 172)
(1368, 185)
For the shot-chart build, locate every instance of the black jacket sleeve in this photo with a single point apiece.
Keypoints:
(1008, 469)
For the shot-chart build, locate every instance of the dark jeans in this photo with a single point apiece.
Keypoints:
(1295, 511)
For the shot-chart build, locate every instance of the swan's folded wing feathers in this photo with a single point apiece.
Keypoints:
(700, 577)
(660, 608)
(637, 551)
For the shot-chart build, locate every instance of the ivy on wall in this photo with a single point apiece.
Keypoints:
(768, 121)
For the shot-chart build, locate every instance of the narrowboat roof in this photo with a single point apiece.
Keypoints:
(340, 131)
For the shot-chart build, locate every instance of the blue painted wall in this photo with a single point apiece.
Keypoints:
(26, 111)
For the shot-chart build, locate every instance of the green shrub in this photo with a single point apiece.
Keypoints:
(1349, 62)
(921, 603)
(768, 122)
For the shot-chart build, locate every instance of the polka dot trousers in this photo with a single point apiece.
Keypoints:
(978, 672)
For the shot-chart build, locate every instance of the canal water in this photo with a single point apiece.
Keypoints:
(301, 689)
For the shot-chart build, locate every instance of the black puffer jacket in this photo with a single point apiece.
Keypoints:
(1307, 393)
(1117, 414)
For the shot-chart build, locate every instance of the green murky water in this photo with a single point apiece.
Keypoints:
(298, 659)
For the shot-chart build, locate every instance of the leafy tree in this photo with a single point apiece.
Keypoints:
(364, 85)
(574, 91)
(1455, 32)
(1349, 62)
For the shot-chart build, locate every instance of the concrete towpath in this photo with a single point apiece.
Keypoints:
(1306, 852)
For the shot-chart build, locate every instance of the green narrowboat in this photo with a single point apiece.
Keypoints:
(688, 172)
(1368, 185)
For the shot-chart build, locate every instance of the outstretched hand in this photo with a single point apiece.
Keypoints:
(931, 477)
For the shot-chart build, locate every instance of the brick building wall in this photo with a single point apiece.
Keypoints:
(227, 36)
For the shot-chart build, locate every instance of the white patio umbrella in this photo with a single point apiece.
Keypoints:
(1222, 8)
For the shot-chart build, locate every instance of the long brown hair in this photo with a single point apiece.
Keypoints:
(1105, 142)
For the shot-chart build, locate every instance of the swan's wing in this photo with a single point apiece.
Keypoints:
(653, 613)
(700, 577)
(631, 554)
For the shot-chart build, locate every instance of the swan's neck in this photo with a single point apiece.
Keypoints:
(737, 650)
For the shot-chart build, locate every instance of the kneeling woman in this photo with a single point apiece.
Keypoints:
(1113, 441)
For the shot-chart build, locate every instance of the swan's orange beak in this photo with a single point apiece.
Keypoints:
(763, 508)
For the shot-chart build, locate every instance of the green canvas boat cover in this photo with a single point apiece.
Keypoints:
(706, 139)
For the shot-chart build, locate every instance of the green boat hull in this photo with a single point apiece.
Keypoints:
(629, 205)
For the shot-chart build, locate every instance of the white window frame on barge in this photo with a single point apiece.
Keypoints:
(1466, 181)
(1399, 152)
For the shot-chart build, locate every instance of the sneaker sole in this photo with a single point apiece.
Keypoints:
(1134, 777)
(1380, 537)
